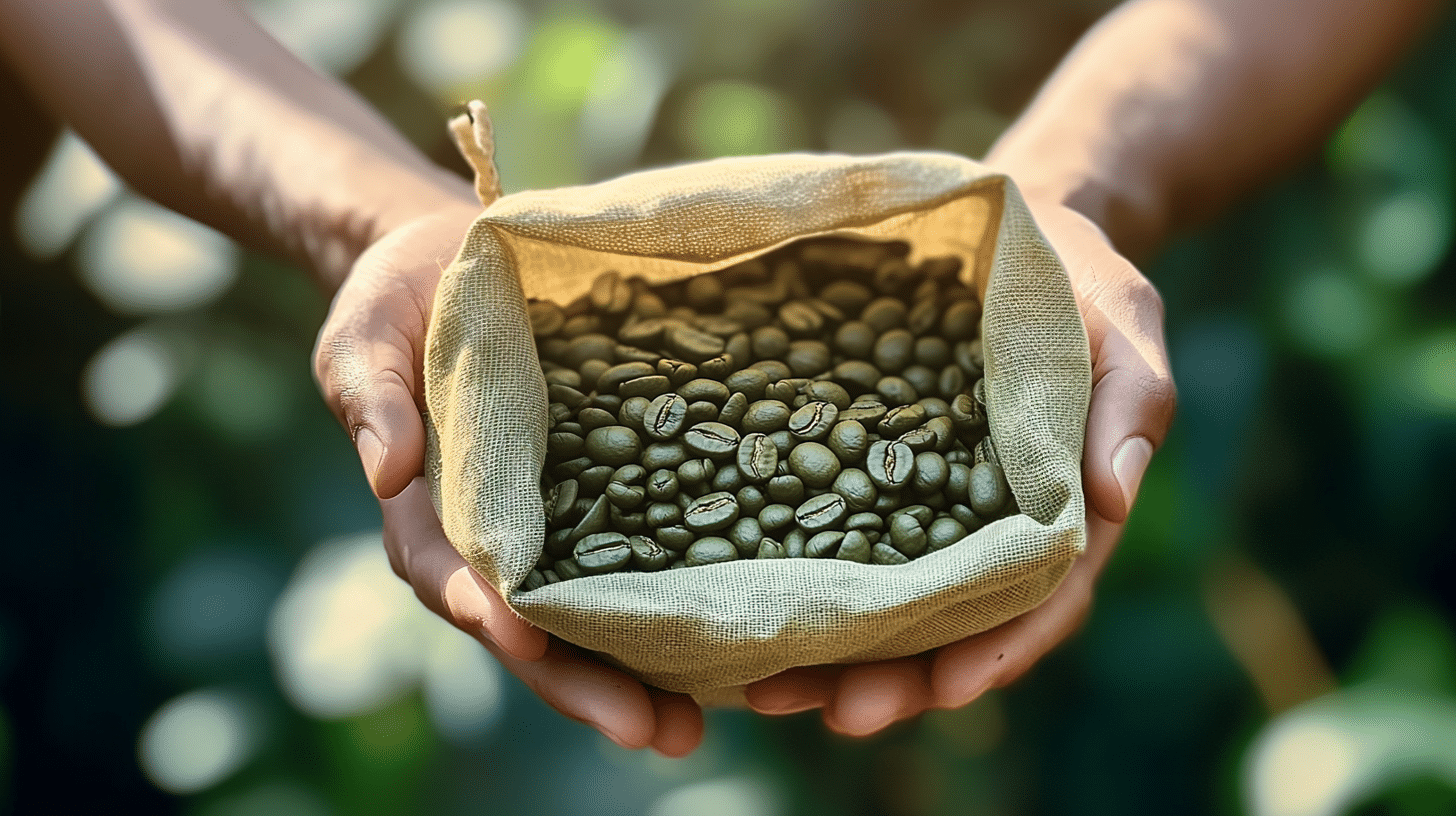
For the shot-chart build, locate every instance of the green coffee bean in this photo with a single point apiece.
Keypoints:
(846, 295)
(884, 313)
(800, 319)
(562, 376)
(695, 472)
(567, 569)
(907, 535)
(923, 316)
(675, 537)
(768, 548)
(786, 490)
(749, 382)
(858, 376)
(563, 501)
(660, 455)
(734, 409)
(593, 521)
(855, 339)
(711, 512)
(868, 521)
(919, 439)
(751, 500)
(665, 416)
(703, 389)
(766, 416)
(642, 333)
(662, 485)
(769, 343)
(677, 372)
(901, 419)
(849, 441)
(594, 480)
(856, 488)
(757, 458)
(921, 378)
(566, 395)
(718, 368)
(534, 580)
(775, 369)
(751, 315)
(626, 497)
(784, 442)
(821, 512)
(864, 412)
(728, 478)
(746, 535)
(989, 493)
(783, 391)
(808, 358)
(650, 386)
(896, 391)
(967, 517)
(942, 533)
(886, 555)
(711, 439)
(593, 418)
(613, 445)
(701, 411)
(855, 547)
(894, 350)
(775, 517)
(931, 473)
(571, 468)
(894, 275)
(663, 514)
(890, 465)
(959, 320)
(693, 345)
(815, 464)
(648, 555)
(824, 544)
(814, 421)
(613, 377)
(586, 347)
(546, 317)
(561, 446)
(710, 550)
(795, 541)
(951, 381)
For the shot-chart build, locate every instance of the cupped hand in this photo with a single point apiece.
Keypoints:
(369, 364)
(1131, 410)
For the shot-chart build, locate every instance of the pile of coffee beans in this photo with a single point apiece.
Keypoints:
(821, 401)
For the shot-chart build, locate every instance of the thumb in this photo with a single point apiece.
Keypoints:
(1132, 408)
(369, 382)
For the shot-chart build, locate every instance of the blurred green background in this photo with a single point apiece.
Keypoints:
(196, 615)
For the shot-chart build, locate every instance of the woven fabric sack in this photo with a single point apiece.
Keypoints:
(707, 628)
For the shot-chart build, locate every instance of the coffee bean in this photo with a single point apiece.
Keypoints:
(813, 421)
(663, 514)
(784, 442)
(733, 409)
(593, 418)
(857, 375)
(675, 537)
(823, 545)
(594, 480)
(677, 372)
(711, 512)
(808, 358)
(693, 345)
(746, 535)
(561, 446)
(650, 386)
(775, 369)
(907, 535)
(786, 490)
(534, 580)
(970, 356)
(626, 497)
(739, 349)
(766, 416)
(546, 317)
(815, 464)
(757, 458)
(884, 314)
(931, 473)
(613, 377)
(751, 500)
(665, 416)
(563, 376)
(795, 542)
(967, 517)
(868, 520)
(959, 320)
(695, 472)
(894, 276)
(896, 391)
(701, 411)
(922, 378)
(958, 484)
(826, 391)
(566, 395)
(593, 521)
(894, 350)
(568, 569)
(563, 500)
(588, 347)
(662, 485)
(821, 512)
(625, 522)
(571, 468)
(768, 548)
(611, 403)
(703, 292)
(610, 294)
(710, 550)
(923, 316)
(728, 478)
(846, 295)
(659, 455)
(855, 547)
(855, 339)
(712, 439)
(864, 412)
(886, 555)
(642, 333)
(775, 517)
(613, 445)
(942, 533)
(717, 368)
(769, 343)
(890, 465)
(919, 439)
(800, 319)
(849, 441)
(750, 382)
(901, 419)
(988, 490)
(704, 389)
(857, 489)
(648, 555)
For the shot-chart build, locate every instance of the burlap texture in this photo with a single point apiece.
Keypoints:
(698, 629)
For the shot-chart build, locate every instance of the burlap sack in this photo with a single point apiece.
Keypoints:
(704, 628)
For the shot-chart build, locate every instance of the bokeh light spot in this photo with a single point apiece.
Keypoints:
(1432, 368)
(1405, 237)
(729, 118)
(213, 605)
(450, 43)
(139, 258)
(462, 684)
(335, 36)
(196, 740)
(244, 395)
(1308, 764)
(1329, 314)
(272, 798)
(72, 186)
(732, 796)
(622, 104)
(130, 378)
(563, 59)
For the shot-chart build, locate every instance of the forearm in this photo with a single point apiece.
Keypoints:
(1169, 109)
(198, 108)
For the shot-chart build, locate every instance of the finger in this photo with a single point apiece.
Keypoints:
(679, 723)
(589, 692)
(366, 368)
(793, 690)
(443, 581)
(872, 696)
(962, 671)
(1133, 402)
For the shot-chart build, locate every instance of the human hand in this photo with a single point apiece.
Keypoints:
(1131, 409)
(369, 363)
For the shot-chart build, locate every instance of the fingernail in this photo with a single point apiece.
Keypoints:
(782, 702)
(371, 452)
(1128, 464)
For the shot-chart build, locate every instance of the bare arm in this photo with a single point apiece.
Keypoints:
(197, 107)
(1169, 109)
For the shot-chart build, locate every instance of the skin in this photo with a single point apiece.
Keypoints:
(196, 107)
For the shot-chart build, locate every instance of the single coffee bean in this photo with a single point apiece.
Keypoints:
(534, 580)
(677, 372)
(546, 317)
(786, 490)
(703, 389)
(886, 555)
(945, 267)
(567, 569)
(675, 537)
(559, 543)
(775, 369)
(869, 521)
(571, 468)
(936, 501)
(896, 391)
(827, 391)
(700, 412)
(665, 416)
(967, 517)
(733, 410)
(703, 292)
(857, 375)
(751, 500)
(746, 535)
(942, 533)
(749, 382)
(659, 455)
(814, 421)
(923, 317)
(831, 313)
(907, 535)
(958, 484)
(821, 512)
(610, 294)
(565, 394)
(932, 352)
(894, 276)
(770, 343)
(920, 439)
(562, 446)
(728, 478)
(751, 315)
(901, 419)
(593, 481)
(894, 350)
(632, 411)
(931, 473)
(815, 464)
(784, 441)
(849, 441)
(611, 403)
(717, 368)
(712, 439)
(693, 345)
(626, 497)
(855, 339)
(923, 515)
(587, 347)
(695, 472)
(710, 550)
(563, 500)
(959, 320)
(711, 512)
(865, 412)
(824, 544)
(846, 295)
(922, 378)
(593, 418)
(563, 376)
(593, 521)
(768, 548)
(613, 445)
(989, 492)
(883, 314)
(757, 458)
(630, 474)
(663, 514)
(625, 522)
(613, 377)
(648, 555)
(856, 488)
(808, 358)
(662, 485)
(951, 381)
(795, 542)
(970, 356)
(642, 333)
(890, 465)
(766, 416)
(855, 547)
(800, 319)
(724, 327)
(650, 387)
(558, 413)
(739, 349)
(775, 517)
